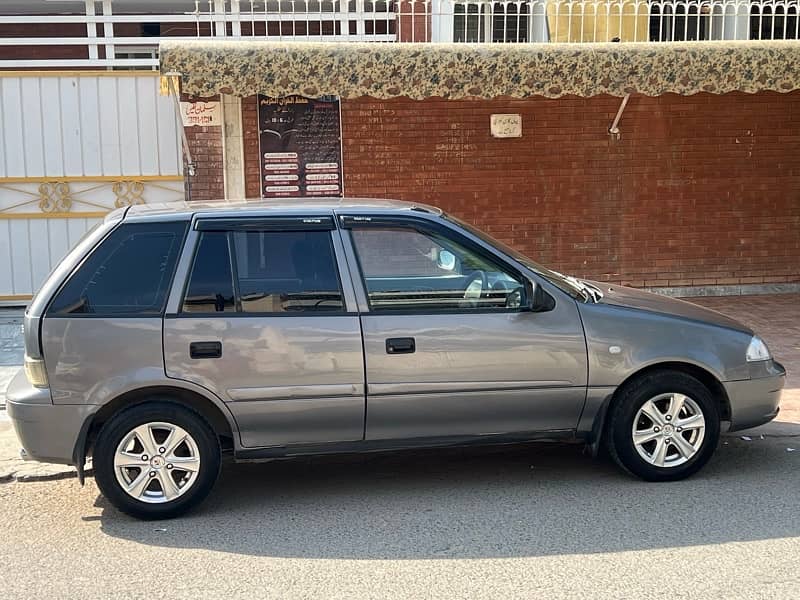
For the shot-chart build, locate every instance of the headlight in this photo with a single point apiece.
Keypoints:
(757, 350)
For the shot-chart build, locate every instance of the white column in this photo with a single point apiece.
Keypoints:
(220, 29)
(236, 24)
(91, 30)
(232, 146)
(108, 30)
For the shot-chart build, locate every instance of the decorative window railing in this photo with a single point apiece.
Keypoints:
(116, 40)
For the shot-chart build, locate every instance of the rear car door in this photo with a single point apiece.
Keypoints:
(266, 322)
(450, 348)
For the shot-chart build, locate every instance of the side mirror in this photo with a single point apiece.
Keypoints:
(446, 260)
(538, 300)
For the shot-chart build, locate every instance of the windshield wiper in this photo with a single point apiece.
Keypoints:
(595, 291)
(588, 290)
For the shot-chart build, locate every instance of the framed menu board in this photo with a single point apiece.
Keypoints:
(300, 145)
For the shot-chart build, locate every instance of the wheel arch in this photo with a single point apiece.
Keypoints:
(222, 424)
(703, 375)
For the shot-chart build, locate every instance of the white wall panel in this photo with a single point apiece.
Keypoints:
(109, 125)
(128, 126)
(50, 105)
(33, 140)
(70, 126)
(147, 125)
(21, 260)
(39, 244)
(2, 136)
(169, 144)
(58, 234)
(75, 230)
(6, 256)
(91, 153)
(89, 126)
(11, 130)
(84, 126)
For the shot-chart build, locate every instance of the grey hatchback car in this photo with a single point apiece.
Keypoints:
(172, 334)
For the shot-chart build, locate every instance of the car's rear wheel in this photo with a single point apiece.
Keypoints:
(156, 460)
(663, 426)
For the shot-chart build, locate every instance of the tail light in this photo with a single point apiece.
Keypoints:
(35, 372)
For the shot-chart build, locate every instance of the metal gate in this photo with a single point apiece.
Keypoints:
(74, 146)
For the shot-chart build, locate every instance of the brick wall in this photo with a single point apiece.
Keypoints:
(699, 190)
(252, 187)
(205, 144)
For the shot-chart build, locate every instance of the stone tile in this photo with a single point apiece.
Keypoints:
(12, 346)
(776, 318)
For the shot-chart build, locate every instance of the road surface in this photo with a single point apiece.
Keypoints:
(534, 522)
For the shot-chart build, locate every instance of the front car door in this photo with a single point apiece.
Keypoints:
(450, 348)
(266, 323)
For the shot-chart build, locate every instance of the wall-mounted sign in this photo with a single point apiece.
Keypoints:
(300, 146)
(506, 126)
(207, 114)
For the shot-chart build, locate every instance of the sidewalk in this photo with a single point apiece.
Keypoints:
(776, 319)
(12, 348)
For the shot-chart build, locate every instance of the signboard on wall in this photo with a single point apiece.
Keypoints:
(300, 146)
(207, 114)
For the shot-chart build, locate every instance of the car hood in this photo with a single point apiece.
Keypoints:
(617, 295)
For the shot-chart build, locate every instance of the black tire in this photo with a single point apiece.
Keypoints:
(157, 410)
(626, 405)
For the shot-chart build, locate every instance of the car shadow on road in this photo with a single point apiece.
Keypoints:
(504, 502)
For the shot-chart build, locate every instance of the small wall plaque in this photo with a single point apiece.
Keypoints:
(506, 126)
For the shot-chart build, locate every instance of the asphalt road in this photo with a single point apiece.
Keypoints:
(533, 522)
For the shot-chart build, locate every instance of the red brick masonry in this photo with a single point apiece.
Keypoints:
(699, 190)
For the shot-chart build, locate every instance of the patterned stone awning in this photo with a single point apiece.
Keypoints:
(423, 70)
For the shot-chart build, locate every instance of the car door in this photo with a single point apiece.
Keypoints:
(267, 323)
(451, 348)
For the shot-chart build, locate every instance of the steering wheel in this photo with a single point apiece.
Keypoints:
(476, 283)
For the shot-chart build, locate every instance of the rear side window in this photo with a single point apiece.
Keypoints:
(128, 274)
(211, 282)
(271, 272)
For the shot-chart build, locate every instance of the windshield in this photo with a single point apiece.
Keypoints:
(564, 283)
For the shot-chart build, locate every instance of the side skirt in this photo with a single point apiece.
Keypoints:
(368, 446)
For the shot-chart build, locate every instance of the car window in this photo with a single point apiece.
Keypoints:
(210, 287)
(127, 274)
(407, 268)
(287, 271)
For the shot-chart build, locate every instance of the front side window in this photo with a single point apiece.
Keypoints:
(405, 268)
(128, 274)
(266, 271)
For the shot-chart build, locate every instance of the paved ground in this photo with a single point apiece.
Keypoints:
(11, 347)
(542, 522)
(539, 521)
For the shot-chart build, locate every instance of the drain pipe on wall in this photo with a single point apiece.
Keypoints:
(614, 129)
(190, 166)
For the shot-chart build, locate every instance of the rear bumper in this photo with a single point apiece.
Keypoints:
(756, 401)
(48, 432)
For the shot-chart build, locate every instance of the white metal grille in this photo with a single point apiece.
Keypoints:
(106, 39)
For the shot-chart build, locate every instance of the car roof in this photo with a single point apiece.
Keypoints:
(277, 207)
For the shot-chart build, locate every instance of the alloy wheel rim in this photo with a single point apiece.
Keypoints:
(668, 430)
(157, 462)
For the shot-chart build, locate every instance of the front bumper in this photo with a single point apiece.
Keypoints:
(756, 401)
(48, 432)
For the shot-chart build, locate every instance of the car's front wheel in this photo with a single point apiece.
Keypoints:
(156, 460)
(663, 426)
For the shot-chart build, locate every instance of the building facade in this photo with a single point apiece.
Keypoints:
(696, 194)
